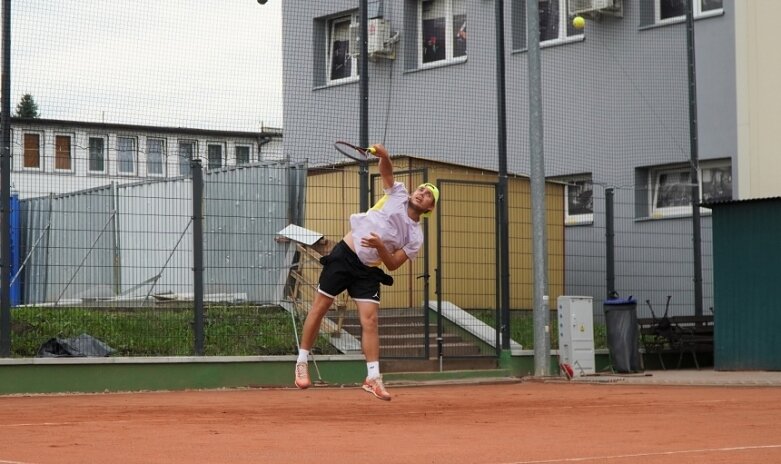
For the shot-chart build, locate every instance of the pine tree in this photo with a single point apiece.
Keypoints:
(27, 108)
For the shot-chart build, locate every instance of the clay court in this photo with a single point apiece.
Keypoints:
(504, 423)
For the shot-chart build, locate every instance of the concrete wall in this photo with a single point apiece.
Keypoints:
(759, 71)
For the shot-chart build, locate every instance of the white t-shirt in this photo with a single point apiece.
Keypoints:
(388, 219)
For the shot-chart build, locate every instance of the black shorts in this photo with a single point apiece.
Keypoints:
(343, 270)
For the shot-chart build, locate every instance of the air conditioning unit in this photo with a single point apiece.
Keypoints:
(379, 41)
(378, 34)
(588, 7)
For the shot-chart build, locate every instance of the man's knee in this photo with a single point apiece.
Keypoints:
(369, 318)
(321, 304)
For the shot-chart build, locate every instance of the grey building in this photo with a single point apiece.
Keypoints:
(615, 106)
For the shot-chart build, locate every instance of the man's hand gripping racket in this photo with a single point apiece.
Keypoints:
(359, 153)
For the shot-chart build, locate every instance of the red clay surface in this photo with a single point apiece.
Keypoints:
(519, 423)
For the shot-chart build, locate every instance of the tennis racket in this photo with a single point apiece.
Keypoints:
(353, 151)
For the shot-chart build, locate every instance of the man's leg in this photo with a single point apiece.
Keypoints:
(370, 334)
(370, 342)
(320, 307)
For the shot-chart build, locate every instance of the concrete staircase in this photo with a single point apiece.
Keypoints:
(402, 343)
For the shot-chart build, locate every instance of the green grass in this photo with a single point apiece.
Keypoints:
(228, 330)
(522, 328)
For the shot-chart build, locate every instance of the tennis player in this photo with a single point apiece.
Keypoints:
(388, 234)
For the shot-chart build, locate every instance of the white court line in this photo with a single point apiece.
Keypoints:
(640, 455)
(14, 462)
(37, 424)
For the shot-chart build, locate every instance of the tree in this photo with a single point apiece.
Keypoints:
(27, 108)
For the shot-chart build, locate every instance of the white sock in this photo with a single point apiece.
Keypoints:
(373, 369)
(303, 355)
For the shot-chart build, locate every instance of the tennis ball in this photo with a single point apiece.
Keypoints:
(578, 22)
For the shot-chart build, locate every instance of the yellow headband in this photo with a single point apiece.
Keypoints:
(433, 189)
(434, 192)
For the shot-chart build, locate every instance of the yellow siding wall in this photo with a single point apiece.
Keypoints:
(469, 272)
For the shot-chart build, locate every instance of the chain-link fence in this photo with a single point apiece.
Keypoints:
(120, 108)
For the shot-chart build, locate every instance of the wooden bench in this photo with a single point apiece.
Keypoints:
(677, 335)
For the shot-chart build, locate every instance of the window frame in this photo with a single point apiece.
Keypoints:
(208, 155)
(520, 27)
(57, 158)
(163, 156)
(41, 158)
(134, 154)
(578, 218)
(449, 35)
(180, 158)
(698, 12)
(654, 180)
(236, 153)
(714, 168)
(351, 55)
(565, 25)
(104, 153)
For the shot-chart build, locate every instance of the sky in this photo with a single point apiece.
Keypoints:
(213, 64)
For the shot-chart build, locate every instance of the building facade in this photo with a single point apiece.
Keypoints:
(55, 156)
(616, 113)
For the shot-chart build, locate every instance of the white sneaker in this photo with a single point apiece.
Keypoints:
(302, 376)
(376, 388)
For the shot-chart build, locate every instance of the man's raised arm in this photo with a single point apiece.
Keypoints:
(385, 166)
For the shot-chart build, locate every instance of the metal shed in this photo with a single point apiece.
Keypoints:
(746, 259)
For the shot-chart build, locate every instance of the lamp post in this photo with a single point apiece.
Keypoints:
(541, 315)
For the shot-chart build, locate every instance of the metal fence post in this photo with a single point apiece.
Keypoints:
(610, 257)
(197, 181)
(502, 214)
(5, 189)
(694, 159)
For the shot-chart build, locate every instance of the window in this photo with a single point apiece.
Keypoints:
(215, 155)
(555, 23)
(579, 201)
(187, 150)
(97, 154)
(442, 29)
(341, 63)
(155, 157)
(126, 155)
(676, 9)
(242, 154)
(716, 183)
(62, 152)
(672, 187)
(32, 151)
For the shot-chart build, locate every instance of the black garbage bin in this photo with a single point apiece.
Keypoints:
(622, 335)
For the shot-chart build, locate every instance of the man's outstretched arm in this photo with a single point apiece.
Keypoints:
(385, 166)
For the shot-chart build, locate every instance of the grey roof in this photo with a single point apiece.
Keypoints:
(266, 131)
(717, 203)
